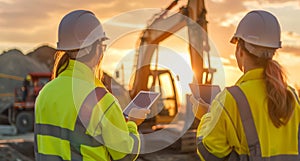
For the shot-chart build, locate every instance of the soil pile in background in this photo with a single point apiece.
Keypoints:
(14, 66)
(15, 63)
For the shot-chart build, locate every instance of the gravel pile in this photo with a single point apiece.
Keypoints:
(15, 63)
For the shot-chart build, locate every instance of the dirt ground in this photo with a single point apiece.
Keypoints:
(20, 148)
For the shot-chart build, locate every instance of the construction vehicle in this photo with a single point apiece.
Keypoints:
(20, 113)
(149, 77)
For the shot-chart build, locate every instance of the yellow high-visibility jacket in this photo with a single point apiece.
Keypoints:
(221, 130)
(76, 118)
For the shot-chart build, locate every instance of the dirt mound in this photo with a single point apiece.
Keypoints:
(43, 54)
(14, 66)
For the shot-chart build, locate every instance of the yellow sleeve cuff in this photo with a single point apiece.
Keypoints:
(132, 127)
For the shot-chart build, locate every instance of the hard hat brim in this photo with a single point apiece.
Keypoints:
(104, 38)
(234, 40)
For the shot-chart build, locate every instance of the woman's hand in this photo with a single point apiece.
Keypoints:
(199, 106)
(138, 115)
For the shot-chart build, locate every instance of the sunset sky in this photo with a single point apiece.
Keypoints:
(28, 24)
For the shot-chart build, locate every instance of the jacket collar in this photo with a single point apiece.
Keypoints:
(79, 70)
(253, 74)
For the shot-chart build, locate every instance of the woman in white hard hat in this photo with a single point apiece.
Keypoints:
(258, 118)
(76, 118)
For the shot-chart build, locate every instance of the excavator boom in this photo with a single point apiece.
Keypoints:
(162, 27)
(169, 113)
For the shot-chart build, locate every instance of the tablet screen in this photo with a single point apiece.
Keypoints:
(144, 99)
(204, 91)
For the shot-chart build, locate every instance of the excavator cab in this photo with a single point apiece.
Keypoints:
(166, 108)
(160, 82)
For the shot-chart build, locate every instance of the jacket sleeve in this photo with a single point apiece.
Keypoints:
(212, 133)
(120, 137)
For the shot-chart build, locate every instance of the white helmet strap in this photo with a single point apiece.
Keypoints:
(84, 52)
(80, 53)
(261, 52)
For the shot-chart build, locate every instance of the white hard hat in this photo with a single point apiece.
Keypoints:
(79, 29)
(259, 28)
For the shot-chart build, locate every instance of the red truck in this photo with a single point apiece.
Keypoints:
(21, 114)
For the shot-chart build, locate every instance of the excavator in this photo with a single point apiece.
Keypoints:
(147, 76)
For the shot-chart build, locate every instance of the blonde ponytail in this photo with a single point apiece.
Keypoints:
(61, 59)
(281, 101)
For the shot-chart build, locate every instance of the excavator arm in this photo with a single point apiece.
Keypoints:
(161, 28)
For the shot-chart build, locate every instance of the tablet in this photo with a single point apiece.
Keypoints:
(144, 99)
(204, 91)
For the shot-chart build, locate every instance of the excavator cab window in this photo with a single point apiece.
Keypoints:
(168, 95)
(166, 107)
